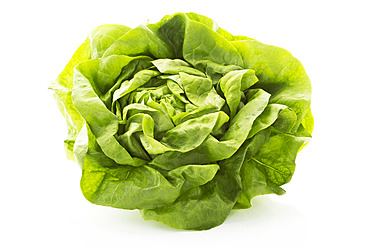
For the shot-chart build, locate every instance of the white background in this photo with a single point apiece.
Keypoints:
(328, 200)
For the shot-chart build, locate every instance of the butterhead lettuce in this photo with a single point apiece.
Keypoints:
(182, 120)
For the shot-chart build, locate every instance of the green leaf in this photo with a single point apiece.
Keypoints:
(232, 83)
(280, 74)
(138, 80)
(62, 95)
(191, 133)
(270, 166)
(105, 182)
(175, 66)
(277, 115)
(196, 88)
(206, 206)
(104, 36)
(140, 41)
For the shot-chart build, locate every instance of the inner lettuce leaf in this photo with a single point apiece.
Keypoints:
(182, 120)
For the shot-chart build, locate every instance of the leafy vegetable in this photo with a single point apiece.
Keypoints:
(182, 120)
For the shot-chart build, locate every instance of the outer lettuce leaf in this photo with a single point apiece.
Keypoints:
(104, 36)
(183, 120)
(198, 44)
(270, 164)
(62, 94)
(98, 41)
(140, 41)
(107, 183)
(206, 206)
(280, 74)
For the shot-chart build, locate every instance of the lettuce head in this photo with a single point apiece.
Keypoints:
(182, 120)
